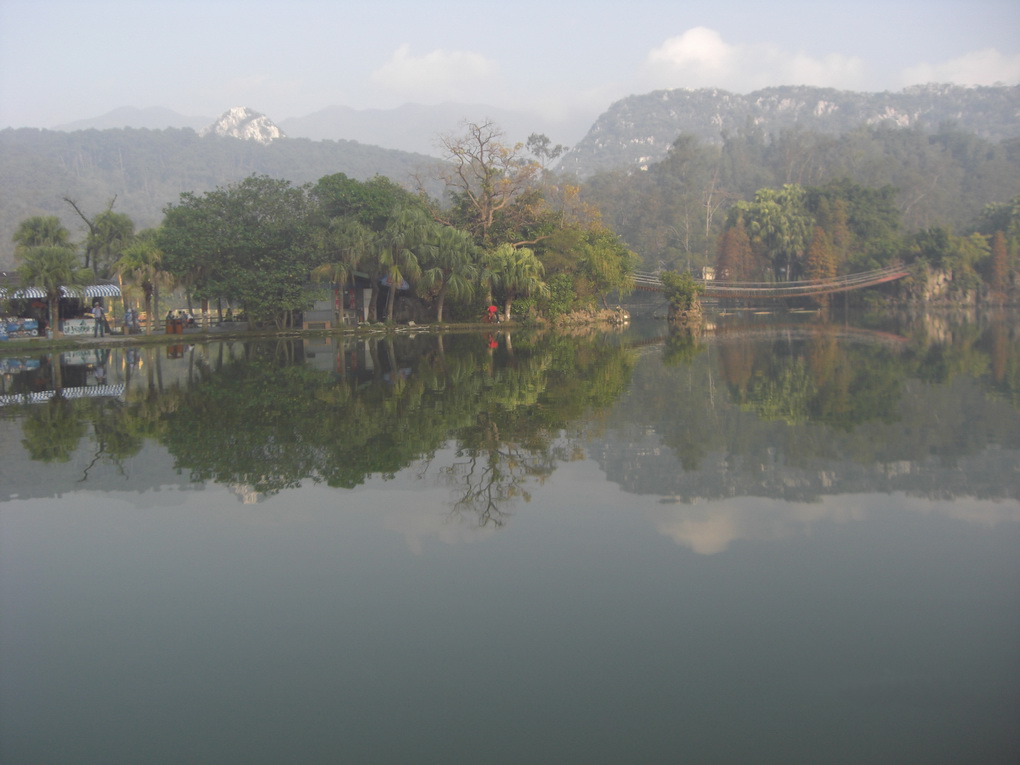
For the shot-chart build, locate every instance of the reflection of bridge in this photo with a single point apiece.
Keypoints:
(722, 334)
(646, 280)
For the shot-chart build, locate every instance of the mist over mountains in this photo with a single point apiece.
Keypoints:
(636, 130)
(411, 127)
(145, 158)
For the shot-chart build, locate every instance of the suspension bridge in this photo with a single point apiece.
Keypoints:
(714, 288)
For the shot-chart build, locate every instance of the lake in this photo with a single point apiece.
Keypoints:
(778, 542)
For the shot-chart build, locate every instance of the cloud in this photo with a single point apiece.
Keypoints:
(711, 528)
(699, 49)
(701, 58)
(982, 67)
(436, 76)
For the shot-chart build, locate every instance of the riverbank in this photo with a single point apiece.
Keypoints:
(238, 330)
(225, 331)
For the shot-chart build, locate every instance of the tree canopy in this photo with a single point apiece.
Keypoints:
(249, 243)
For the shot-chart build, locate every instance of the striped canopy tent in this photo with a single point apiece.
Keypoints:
(100, 289)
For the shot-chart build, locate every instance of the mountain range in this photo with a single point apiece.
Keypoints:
(411, 127)
(639, 129)
(145, 158)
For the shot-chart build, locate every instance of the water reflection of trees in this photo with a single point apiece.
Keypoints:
(813, 376)
(52, 431)
(536, 401)
(785, 411)
(268, 421)
(502, 415)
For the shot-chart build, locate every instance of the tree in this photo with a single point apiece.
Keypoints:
(250, 243)
(51, 267)
(141, 263)
(607, 263)
(862, 223)
(1003, 217)
(999, 267)
(343, 244)
(485, 176)
(370, 203)
(682, 291)
(449, 267)
(349, 218)
(735, 258)
(108, 233)
(541, 147)
(779, 223)
(111, 233)
(514, 273)
(689, 180)
(820, 262)
(398, 248)
(40, 231)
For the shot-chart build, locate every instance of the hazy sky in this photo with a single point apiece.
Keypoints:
(63, 60)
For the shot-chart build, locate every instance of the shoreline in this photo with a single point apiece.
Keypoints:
(30, 344)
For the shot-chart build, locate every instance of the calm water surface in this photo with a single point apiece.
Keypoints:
(778, 543)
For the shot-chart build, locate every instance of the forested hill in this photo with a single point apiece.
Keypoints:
(638, 130)
(147, 169)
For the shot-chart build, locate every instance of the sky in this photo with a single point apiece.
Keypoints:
(64, 60)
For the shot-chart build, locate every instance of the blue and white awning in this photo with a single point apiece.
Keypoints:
(88, 391)
(90, 291)
(95, 290)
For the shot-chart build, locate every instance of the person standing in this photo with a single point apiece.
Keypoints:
(99, 328)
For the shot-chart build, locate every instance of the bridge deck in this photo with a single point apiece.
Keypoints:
(645, 280)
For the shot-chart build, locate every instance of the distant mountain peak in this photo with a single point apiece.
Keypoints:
(245, 124)
(638, 131)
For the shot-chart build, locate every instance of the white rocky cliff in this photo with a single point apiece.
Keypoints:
(245, 124)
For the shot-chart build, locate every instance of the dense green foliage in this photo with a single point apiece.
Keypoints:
(144, 170)
(681, 290)
(266, 245)
(755, 207)
(249, 244)
(890, 180)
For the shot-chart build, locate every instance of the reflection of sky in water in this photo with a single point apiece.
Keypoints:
(713, 526)
(376, 625)
(163, 620)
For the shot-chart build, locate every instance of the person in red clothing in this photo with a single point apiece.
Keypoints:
(493, 314)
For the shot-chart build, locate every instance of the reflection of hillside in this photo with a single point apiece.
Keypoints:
(800, 413)
(646, 467)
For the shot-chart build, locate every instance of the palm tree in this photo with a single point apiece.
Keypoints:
(407, 233)
(777, 221)
(344, 243)
(514, 273)
(109, 234)
(141, 263)
(50, 267)
(451, 267)
(41, 231)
